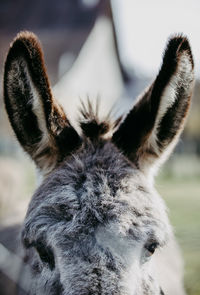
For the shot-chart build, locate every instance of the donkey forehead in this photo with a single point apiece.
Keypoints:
(97, 188)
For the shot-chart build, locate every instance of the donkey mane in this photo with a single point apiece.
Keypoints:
(92, 126)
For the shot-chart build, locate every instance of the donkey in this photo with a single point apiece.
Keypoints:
(95, 224)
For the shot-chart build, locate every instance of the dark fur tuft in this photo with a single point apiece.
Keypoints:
(94, 129)
(91, 126)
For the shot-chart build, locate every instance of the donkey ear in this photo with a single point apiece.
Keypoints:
(152, 127)
(38, 121)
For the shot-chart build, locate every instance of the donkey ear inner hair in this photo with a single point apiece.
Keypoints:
(39, 122)
(159, 114)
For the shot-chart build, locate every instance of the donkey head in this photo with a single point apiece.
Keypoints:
(95, 221)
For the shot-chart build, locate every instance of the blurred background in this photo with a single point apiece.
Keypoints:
(112, 50)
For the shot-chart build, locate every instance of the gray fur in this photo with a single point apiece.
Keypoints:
(96, 213)
(95, 220)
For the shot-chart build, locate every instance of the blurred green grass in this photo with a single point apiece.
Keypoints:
(181, 192)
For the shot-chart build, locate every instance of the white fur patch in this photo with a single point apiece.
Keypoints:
(183, 77)
(37, 107)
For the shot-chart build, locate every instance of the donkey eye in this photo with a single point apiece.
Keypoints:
(46, 255)
(150, 248)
